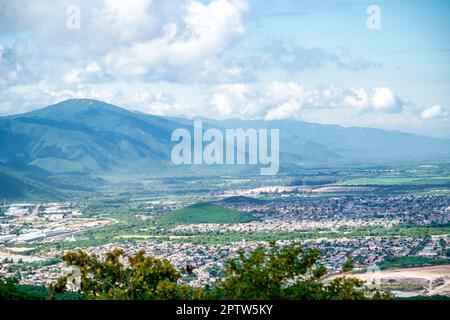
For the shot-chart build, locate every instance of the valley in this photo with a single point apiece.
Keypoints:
(88, 175)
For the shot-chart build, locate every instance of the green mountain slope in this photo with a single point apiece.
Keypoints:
(76, 141)
(16, 186)
(85, 136)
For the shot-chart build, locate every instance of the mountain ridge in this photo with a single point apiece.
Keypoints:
(92, 138)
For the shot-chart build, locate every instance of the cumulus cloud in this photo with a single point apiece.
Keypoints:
(282, 100)
(14, 66)
(133, 40)
(124, 46)
(19, 99)
(183, 41)
(272, 101)
(233, 99)
(436, 112)
(276, 100)
(91, 73)
(379, 99)
(207, 29)
(285, 110)
(359, 98)
(385, 99)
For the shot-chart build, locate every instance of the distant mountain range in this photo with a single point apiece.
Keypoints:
(86, 138)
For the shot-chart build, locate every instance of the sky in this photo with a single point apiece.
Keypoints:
(331, 62)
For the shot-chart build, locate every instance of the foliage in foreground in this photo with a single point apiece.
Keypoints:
(10, 290)
(274, 272)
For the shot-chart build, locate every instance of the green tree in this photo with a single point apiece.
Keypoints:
(288, 272)
(348, 264)
(274, 272)
(10, 290)
(142, 278)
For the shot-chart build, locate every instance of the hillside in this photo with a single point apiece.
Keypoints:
(77, 142)
(205, 213)
(84, 136)
(318, 144)
(240, 200)
(16, 186)
(92, 137)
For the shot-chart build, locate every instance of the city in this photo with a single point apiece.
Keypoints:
(377, 231)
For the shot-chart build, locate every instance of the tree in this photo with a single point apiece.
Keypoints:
(288, 272)
(10, 290)
(348, 264)
(274, 272)
(143, 277)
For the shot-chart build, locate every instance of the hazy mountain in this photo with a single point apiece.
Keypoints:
(85, 136)
(327, 144)
(88, 138)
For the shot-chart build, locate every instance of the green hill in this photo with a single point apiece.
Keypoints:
(240, 200)
(15, 185)
(206, 213)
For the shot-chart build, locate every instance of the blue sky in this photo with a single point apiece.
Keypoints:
(310, 60)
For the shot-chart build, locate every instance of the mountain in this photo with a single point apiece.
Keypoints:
(80, 142)
(312, 143)
(85, 137)
(15, 185)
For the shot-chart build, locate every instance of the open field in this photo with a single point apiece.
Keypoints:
(399, 180)
(433, 280)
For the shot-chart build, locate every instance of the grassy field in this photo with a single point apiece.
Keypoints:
(411, 262)
(205, 213)
(399, 180)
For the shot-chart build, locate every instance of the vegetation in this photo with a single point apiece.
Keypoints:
(348, 264)
(145, 278)
(10, 289)
(205, 213)
(401, 179)
(214, 237)
(274, 272)
(433, 297)
(410, 262)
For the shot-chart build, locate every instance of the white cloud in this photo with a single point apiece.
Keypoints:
(13, 66)
(436, 112)
(221, 104)
(286, 110)
(385, 99)
(279, 91)
(232, 100)
(281, 100)
(91, 73)
(272, 101)
(21, 99)
(359, 98)
(125, 21)
(132, 40)
(207, 30)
